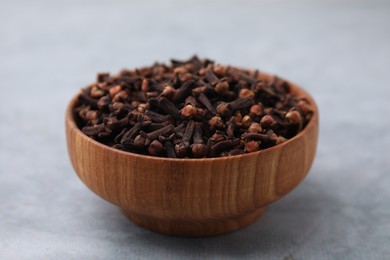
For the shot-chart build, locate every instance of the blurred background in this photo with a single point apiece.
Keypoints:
(338, 50)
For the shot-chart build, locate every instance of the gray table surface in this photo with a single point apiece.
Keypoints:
(338, 50)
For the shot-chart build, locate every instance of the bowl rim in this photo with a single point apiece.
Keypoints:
(294, 88)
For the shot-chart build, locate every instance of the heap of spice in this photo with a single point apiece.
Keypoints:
(190, 109)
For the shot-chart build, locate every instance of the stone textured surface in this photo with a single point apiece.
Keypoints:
(338, 50)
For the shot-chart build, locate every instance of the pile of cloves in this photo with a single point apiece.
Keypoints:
(191, 109)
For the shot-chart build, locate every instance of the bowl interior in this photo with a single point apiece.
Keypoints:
(294, 90)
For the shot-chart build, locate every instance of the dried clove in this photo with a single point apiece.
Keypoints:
(169, 150)
(162, 131)
(206, 102)
(189, 111)
(183, 146)
(223, 146)
(185, 90)
(93, 130)
(252, 146)
(156, 117)
(211, 77)
(199, 149)
(155, 148)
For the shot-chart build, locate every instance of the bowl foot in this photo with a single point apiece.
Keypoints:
(194, 228)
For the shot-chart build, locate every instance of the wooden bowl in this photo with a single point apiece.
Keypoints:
(193, 197)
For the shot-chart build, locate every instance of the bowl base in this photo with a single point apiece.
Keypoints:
(194, 228)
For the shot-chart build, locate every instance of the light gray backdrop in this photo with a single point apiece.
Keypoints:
(337, 50)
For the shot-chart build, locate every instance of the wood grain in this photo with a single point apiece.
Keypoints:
(193, 197)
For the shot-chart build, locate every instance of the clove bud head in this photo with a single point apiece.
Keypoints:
(169, 92)
(267, 121)
(293, 117)
(155, 148)
(216, 122)
(188, 111)
(181, 149)
(246, 93)
(222, 87)
(199, 150)
(252, 146)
